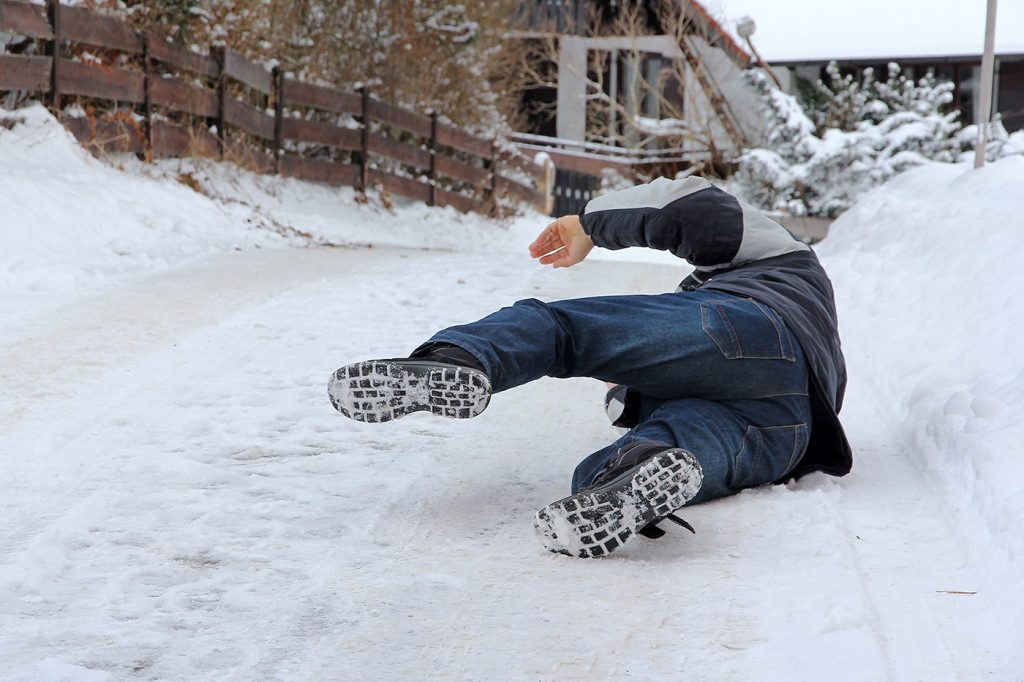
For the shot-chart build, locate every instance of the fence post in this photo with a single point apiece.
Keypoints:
(218, 54)
(364, 142)
(433, 159)
(147, 102)
(54, 48)
(549, 186)
(491, 193)
(278, 116)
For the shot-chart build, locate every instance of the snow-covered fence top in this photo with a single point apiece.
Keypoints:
(122, 90)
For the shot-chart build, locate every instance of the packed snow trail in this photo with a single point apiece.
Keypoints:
(182, 502)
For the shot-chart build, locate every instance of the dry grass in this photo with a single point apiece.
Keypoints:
(427, 55)
(186, 178)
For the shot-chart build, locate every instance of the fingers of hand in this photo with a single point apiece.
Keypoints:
(546, 242)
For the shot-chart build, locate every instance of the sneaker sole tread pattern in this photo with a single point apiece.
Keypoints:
(594, 524)
(377, 391)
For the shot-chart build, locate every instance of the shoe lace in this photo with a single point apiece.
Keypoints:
(652, 531)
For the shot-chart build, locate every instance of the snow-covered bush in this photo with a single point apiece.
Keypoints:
(868, 132)
(845, 101)
(1000, 143)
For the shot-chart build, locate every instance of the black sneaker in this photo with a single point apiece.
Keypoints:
(646, 483)
(382, 390)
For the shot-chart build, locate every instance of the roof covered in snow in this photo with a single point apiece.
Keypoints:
(810, 30)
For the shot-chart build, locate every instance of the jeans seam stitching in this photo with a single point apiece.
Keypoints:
(758, 456)
(754, 460)
(732, 330)
(706, 327)
(791, 355)
(796, 443)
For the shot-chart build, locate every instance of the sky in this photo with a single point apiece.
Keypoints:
(810, 29)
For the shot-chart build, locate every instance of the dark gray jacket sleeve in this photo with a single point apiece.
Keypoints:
(690, 218)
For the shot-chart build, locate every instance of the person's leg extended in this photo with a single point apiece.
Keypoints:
(701, 344)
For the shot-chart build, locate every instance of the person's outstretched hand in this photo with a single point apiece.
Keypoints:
(562, 244)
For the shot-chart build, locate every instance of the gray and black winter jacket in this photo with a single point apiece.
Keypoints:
(737, 249)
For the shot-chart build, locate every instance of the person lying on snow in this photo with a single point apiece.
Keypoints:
(734, 380)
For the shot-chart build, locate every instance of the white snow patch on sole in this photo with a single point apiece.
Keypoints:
(595, 523)
(383, 390)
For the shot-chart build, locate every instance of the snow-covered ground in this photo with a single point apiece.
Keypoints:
(180, 501)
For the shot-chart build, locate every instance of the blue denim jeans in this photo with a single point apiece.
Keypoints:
(716, 374)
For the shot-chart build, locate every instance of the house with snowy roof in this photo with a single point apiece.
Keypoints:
(637, 82)
(798, 38)
(602, 105)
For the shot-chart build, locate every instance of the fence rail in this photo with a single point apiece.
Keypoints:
(141, 93)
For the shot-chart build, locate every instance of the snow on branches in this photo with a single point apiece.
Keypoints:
(865, 132)
(451, 20)
(439, 55)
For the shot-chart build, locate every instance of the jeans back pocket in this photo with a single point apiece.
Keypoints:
(743, 328)
(768, 454)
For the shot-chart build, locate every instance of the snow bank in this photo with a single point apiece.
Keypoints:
(71, 224)
(70, 221)
(322, 214)
(930, 290)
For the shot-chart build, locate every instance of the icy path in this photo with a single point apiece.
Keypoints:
(181, 502)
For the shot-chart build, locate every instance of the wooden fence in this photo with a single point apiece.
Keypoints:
(137, 92)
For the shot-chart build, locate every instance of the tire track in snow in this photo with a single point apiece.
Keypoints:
(907, 558)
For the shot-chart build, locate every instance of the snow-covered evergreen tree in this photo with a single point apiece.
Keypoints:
(1000, 143)
(868, 131)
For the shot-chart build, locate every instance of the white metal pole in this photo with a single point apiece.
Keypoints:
(613, 123)
(571, 115)
(987, 64)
